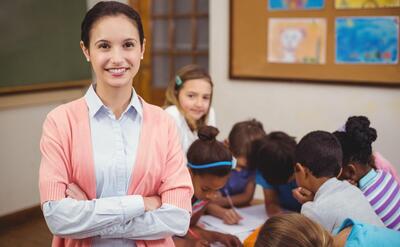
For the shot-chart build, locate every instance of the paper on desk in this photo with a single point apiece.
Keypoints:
(253, 217)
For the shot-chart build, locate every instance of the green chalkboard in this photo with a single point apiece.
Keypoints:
(39, 44)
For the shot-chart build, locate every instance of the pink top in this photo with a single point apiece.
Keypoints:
(383, 164)
(67, 158)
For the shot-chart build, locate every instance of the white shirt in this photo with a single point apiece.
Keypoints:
(187, 136)
(114, 218)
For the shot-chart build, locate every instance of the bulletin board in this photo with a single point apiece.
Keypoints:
(253, 54)
(39, 47)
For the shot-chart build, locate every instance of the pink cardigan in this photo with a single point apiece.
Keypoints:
(67, 157)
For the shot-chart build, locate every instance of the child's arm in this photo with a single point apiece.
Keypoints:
(271, 200)
(241, 199)
(229, 216)
(211, 236)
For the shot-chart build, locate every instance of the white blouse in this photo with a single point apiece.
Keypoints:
(187, 136)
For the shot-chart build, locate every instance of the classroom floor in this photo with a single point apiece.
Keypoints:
(33, 233)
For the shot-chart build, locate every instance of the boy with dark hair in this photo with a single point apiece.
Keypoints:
(273, 157)
(325, 199)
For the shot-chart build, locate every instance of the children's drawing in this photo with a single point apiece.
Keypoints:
(371, 40)
(296, 40)
(295, 4)
(362, 4)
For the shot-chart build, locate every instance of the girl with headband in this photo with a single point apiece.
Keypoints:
(210, 164)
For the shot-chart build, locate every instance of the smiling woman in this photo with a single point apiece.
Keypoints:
(112, 171)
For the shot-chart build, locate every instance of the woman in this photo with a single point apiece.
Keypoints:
(123, 154)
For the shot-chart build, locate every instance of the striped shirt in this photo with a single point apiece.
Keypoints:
(383, 193)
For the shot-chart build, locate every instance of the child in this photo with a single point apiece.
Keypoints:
(210, 164)
(188, 101)
(287, 230)
(330, 201)
(240, 187)
(273, 157)
(379, 187)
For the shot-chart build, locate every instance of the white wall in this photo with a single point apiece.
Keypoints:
(20, 130)
(296, 108)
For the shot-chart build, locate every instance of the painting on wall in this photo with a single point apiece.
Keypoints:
(364, 4)
(296, 40)
(295, 4)
(367, 40)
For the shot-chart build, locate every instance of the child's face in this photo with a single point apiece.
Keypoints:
(195, 97)
(241, 163)
(207, 186)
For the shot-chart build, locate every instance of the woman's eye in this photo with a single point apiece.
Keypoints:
(104, 46)
(129, 44)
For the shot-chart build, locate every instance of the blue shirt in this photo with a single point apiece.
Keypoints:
(366, 235)
(284, 191)
(237, 182)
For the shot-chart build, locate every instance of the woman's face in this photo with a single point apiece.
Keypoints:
(114, 51)
(195, 97)
(207, 186)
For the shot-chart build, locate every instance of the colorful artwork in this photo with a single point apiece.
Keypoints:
(295, 4)
(368, 40)
(363, 4)
(296, 40)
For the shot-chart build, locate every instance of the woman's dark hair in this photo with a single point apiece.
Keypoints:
(109, 8)
(243, 134)
(206, 150)
(357, 141)
(274, 156)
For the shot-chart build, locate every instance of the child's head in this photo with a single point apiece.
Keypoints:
(241, 137)
(318, 154)
(293, 229)
(356, 140)
(191, 91)
(273, 156)
(210, 163)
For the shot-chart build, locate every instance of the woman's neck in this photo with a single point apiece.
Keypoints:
(115, 98)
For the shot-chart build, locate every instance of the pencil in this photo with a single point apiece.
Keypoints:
(194, 234)
(229, 200)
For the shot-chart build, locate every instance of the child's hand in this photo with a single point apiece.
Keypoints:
(227, 239)
(302, 195)
(151, 203)
(231, 217)
(74, 191)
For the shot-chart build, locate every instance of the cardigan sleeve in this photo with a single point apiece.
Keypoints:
(176, 185)
(53, 172)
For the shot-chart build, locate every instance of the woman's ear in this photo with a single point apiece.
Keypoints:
(143, 48)
(85, 51)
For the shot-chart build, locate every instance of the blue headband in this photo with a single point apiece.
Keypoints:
(231, 163)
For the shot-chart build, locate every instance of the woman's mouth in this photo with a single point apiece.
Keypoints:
(117, 71)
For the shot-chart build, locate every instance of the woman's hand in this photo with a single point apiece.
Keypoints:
(231, 217)
(75, 192)
(302, 195)
(227, 239)
(151, 203)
